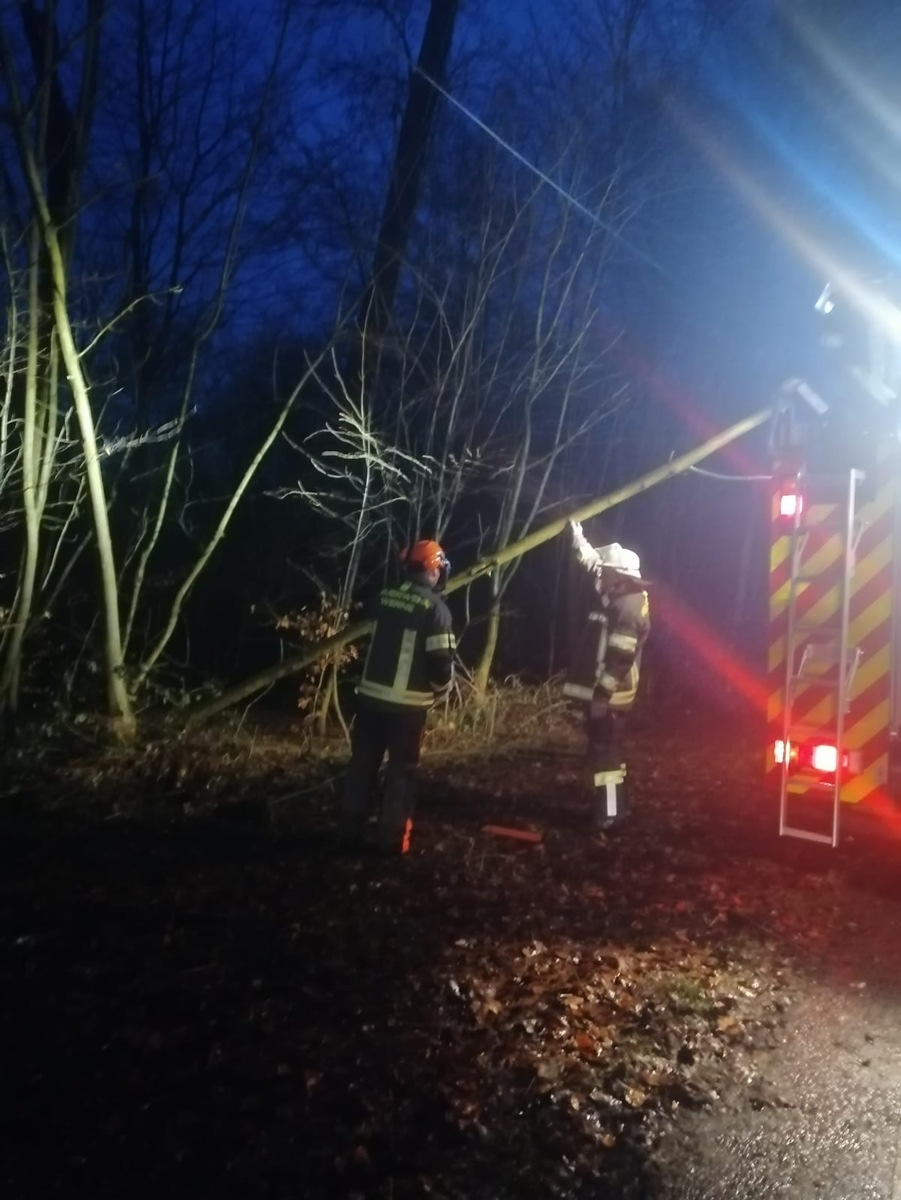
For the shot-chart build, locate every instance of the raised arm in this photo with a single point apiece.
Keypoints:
(585, 552)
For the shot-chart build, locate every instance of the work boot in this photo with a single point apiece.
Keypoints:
(393, 840)
(395, 826)
(608, 804)
(606, 824)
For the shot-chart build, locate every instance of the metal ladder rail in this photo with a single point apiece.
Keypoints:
(798, 541)
(844, 672)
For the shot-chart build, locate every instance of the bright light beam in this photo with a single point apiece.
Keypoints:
(873, 306)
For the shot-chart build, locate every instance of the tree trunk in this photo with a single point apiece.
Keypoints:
(409, 160)
(11, 674)
(538, 537)
(482, 672)
(52, 170)
(120, 709)
(184, 589)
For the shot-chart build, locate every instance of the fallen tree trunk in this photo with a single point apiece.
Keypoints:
(676, 466)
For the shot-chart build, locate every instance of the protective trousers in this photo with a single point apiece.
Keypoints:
(375, 732)
(608, 804)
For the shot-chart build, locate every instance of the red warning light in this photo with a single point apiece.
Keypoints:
(824, 758)
(821, 757)
(791, 504)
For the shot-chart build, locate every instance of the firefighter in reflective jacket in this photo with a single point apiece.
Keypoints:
(605, 674)
(409, 666)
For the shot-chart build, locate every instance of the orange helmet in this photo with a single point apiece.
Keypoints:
(425, 556)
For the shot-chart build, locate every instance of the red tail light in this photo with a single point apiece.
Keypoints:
(824, 758)
(791, 504)
(820, 757)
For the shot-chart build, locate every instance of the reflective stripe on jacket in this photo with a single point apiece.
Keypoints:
(410, 661)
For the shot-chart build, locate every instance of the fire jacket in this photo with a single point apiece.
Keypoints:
(410, 661)
(609, 655)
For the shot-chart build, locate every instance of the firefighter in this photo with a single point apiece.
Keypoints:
(409, 667)
(604, 676)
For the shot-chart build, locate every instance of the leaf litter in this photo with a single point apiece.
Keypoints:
(188, 962)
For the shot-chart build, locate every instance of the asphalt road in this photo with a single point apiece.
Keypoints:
(832, 1130)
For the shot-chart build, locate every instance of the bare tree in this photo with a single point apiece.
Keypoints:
(52, 144)
(166, 108)
(409, 164)
(41, 494)
(128, 353)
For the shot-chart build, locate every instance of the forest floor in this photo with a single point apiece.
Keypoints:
(202, 996)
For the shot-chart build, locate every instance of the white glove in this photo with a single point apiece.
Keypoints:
(587, 554)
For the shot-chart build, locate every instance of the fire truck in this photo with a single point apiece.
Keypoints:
(834, 644)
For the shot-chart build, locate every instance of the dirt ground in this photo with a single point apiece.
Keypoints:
(200, 995)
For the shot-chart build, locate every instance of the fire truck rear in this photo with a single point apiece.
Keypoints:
(834, 646)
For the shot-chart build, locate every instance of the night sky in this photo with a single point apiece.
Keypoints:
(690, 180)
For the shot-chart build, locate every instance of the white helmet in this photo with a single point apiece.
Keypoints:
(617, 558)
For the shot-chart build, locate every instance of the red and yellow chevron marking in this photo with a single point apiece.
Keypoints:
(870, 628)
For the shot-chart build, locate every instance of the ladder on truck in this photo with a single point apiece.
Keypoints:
(819, 658)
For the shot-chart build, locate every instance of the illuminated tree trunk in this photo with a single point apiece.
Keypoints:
(120, 708)
(51, 167)
(486, 566)
(482, 673)
(10, 676)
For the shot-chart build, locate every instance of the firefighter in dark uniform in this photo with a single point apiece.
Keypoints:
(605, 674)
(409, 666)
